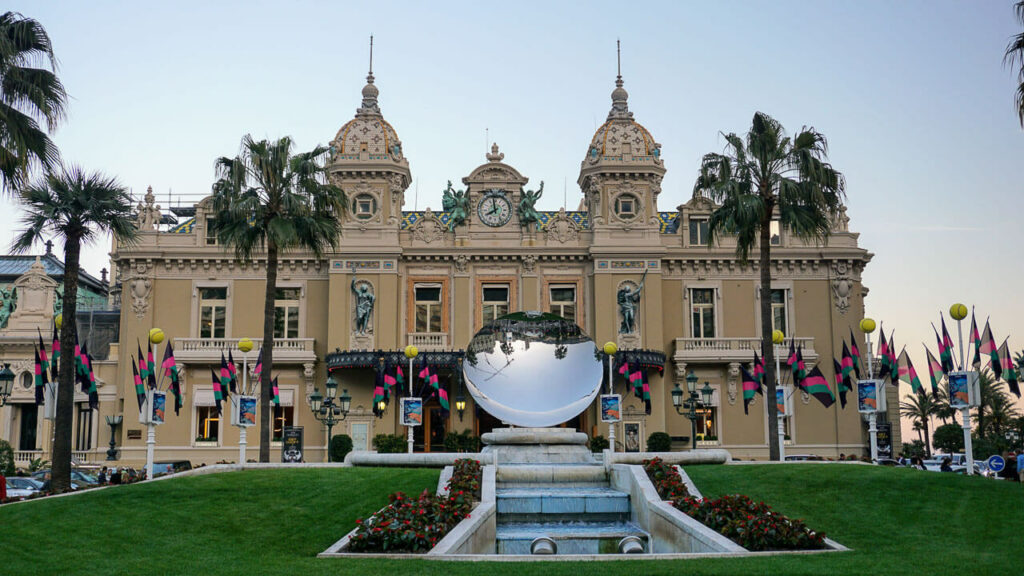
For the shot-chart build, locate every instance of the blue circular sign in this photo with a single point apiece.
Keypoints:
(996, 463)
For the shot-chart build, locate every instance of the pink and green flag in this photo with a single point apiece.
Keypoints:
(840, 385)
(883, 355)
(974, 343)
(218, 389)
(816, 385)
(225, 377)
(907, 372)
(276, 392)
(935, 372)
(40, 379)
(988, 347)
(751, 385)
(140, 388)
(430, 377)
(1009, 369)
(855, 353)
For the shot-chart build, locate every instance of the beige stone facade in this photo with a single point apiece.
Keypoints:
(435, 280)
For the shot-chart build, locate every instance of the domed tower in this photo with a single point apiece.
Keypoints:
(367, 162)
(621, 176)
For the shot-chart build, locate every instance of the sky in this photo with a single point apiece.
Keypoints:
(913, 97)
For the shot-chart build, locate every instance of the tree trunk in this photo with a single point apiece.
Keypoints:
(60, 466)
(268, 351)
(927, 439)
(768, 348)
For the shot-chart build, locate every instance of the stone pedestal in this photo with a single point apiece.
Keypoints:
(537, 446)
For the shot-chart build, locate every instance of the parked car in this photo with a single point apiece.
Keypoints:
(168, 467)
(18, 487)
(803, 458)
(78, 476)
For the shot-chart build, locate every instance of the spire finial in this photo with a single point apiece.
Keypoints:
(369, 91)
(371, 54)
(618, 61)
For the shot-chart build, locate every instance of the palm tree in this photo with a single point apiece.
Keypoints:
(1003, 413)
(943, 410)
(267, 198)
(770, 175)
(919, 408)
(990, 393)
(1014, 56)
(75, 207)
(29, 95)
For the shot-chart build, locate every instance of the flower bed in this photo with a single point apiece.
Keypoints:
(750, 524)
(417, 524)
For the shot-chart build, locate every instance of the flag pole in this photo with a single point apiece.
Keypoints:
(780, 418)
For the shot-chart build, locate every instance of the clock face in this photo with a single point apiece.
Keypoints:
(494, 210)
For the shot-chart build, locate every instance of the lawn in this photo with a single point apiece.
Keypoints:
(276, 521)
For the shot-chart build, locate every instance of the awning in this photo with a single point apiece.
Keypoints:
(376, 358)
(202, 397)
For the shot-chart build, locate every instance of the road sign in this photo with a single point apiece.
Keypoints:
(996, 463)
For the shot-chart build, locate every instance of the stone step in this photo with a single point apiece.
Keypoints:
(512, 475)
(571, 537)
(581, 500)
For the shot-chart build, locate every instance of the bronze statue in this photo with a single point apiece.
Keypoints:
(527, 211)
(456, 204)
(629, 301)
(364, 304)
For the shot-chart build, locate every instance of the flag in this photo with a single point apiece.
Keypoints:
(750, 385)
(218, 389)
(905, 369)
(55, 353)
(758, 369)
(430, 377)
(140, 389)
(258, 369)
(94, 396)
(399, 379)
(855, 354)
(791, 360)
(143, 369)
(799, 368)
(988, 346)
(974, 343)
(816, 385)
(234, 372)
(1009, 370)
(883, 355)
(170, 368)
(947, 341)
(150, 366)
(646, 389)
(935, 372)
(848, 367)
(841, 386)
(276, 398)
(893, 363)
(390, 381)
(44, 362)
(82, 367)
(225, 377)
(40, 379)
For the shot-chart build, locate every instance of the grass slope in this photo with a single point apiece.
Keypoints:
(275, 521)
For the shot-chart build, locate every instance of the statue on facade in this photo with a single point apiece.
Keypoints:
(629, 300)
(527, 211)
(58, 301)
(7, 303)
(456, 204)
(148, 214)
(364, 303)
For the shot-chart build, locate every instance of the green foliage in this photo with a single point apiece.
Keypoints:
(341, 445)
(30, 96)
(464, 441)
(1014, 56)
(750, 524)
(598, 444)
(390, 443)
(666, 480)
(949, 438)
(6, 458)
(982, 448)
(659, 442)
(38, 464)
(913, 448)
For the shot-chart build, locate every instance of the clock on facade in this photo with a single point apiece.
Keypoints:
(494, 208)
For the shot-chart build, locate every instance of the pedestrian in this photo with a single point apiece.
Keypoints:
(102, 478)
(946, 465)
(115, 476)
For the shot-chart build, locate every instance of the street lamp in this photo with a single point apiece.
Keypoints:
(958, 312)
(6, 383)
(332, 409)
(113, 422)
(867, 326)
(460, 398)
(697, 399)
(411, 352)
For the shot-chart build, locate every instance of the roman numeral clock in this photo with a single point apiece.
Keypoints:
(495, 208)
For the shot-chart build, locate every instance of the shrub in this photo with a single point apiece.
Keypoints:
(751, 525)
(666, 480)
(6, 458)
(913, 448)
(949, 438)
(390, 443)
(463, 441)
(659, 442)
(341, 445)
(598, 444)
(416, 525)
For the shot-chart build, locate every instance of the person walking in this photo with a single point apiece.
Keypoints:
(946, 465)
(102, 478)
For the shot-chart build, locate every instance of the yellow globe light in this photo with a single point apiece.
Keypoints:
(245, 345)
(958, 311)
(867, 325)
(778, 337)
(59, 321)
(610, 348)
(411, 351)
(156, 335)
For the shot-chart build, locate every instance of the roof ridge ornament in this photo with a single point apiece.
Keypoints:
(620, 106)
(369, 106)
(494, 155)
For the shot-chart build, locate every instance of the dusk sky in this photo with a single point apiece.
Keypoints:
(913, 97)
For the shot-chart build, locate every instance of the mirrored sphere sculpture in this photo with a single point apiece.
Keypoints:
(532, 369)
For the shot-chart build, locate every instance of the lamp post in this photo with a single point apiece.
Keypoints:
(6, 383)
(688, 407)
(410, 352)
(460, 398)
(610, 348)
(958, 312)
(113, 422)
(330, 409)
(867, 326)
(778, 338)
(245, 346)
(156, 336)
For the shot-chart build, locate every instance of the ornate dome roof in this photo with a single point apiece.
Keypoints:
(367, 132)
(621, 134)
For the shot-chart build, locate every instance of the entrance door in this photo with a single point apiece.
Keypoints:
(29, 423)
(430, 436)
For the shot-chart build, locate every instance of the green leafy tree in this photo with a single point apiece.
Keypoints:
(30, 95)
(75, 207)
(949, 438)
(770, 176)
(1015, 58)
(267, 200)
(919, 408)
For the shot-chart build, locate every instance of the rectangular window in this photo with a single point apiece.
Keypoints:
(208, 424)
(213, 306)
(211, 235)
(286, 313)
(428, 307)
(706, 418)
(83, 433)
(776, 232)
(563, 301)
(702, 306)
(699, 232)
(283, 416)
(495, 301)
(779, 315)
